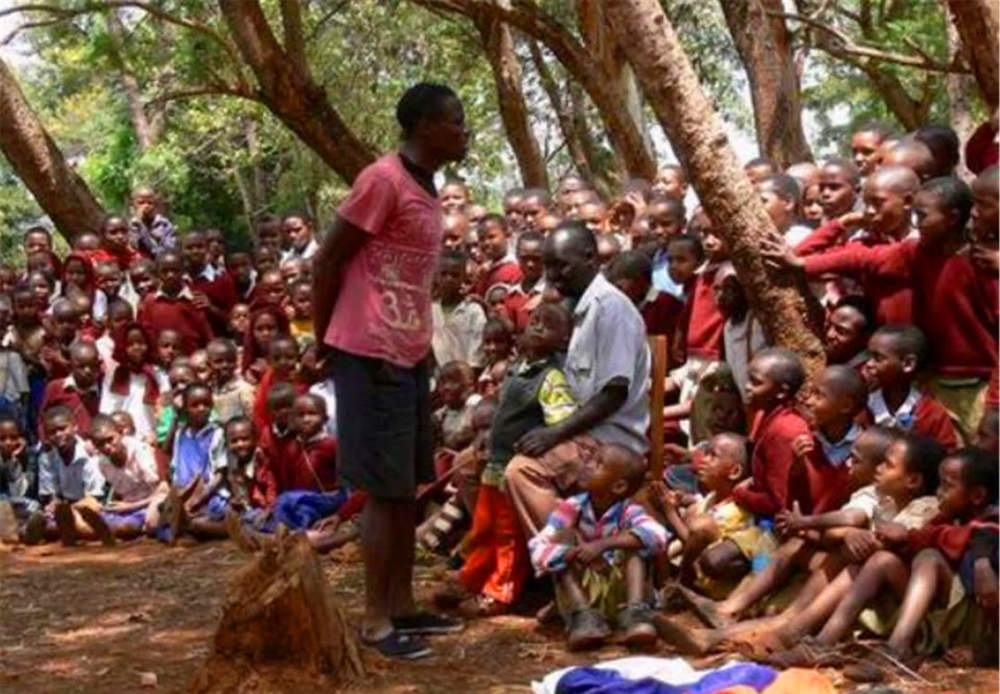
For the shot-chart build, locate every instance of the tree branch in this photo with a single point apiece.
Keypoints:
(291, 26)
(204, 90)
(848, 47)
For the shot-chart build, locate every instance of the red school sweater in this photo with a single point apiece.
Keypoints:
(307, 466)
(773, 485)
(948, 537)
(930, 420)
(221, 293)
(506, 271)
(159, 312)
(829, 484)
(954, 302)
(705, 321)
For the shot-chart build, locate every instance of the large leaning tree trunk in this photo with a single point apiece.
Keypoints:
(695, 131)
(498, 44)
(286, 88)
(38, 162)
(279, 624)
(765, 48)
(978, 22)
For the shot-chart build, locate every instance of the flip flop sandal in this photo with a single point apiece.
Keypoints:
(426, 623)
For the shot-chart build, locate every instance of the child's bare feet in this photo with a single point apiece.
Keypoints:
(481, 606)
(707, 609)
(65, 524)
(95, 520)
(685, 639)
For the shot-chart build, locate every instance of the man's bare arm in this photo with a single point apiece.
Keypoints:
(337, 249)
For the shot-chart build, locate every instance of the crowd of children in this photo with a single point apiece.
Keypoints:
(156, 383)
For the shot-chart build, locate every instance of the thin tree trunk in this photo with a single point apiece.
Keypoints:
(38, 162)
(959, 88)
(696, 133)
(765, 48)
(498, 44)
(295, 99)
(146, 131)
(978, 23)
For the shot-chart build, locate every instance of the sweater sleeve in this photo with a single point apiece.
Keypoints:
(771, 492)
(823, 239)
(888, 261)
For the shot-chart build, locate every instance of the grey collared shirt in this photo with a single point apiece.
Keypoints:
(608, 342)
(70, 479)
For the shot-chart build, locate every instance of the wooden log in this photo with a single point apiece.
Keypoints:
(278, 616)
(658, 354)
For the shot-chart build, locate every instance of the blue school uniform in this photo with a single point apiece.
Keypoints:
(201, 454)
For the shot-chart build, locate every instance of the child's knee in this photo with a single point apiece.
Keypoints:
(928, 557)
(723, 561)
(703, 530)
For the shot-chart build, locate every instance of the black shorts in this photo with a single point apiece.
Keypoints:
(383, 425)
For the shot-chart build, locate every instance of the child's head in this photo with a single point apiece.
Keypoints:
(497, 340)
(759, 168)
(198, 361)
(865, 143)
(913, 155)
(300, 294)
(216, 243)
(281, 403)
(547, 332)
(726, 413)
(454, 382)
(295, 270)
(310, 415)
(83, 304)
(8, 278)
(847, 330)
(181, 375)
(615, 472)
(241, 440)
(197, 399)
(496, 301)
(109, 278)
(684, 256)
(84, 364)
(534, 206)
(37, 240)
(454, 196)
(730, 298)
(451, 276)
(123, 420)
(493, 237)
(984, 215)
(888, 194)
(666, 218)
(482, 414)
(671, 181)
(780, 195)
(272, 287)
(268, 231)
(265, 259)
(512, 200)
(25, 305)
(896, 354)
(283, 355)
(632, 273)
(168, 347)
(724, 462)
(115, 234)
(943, 143)
(65, 322)
(240, 267)
(78, 272)
(839, 395)
(909, 469)
(529, 255)
(968, 482)
(608, 248)
(11, 436)
(774, 377)
(715, 248)
(141, 275)
(59, 427)
(239, 319)
(297, 227)
(107, 438)
(170, 272)
(454, 229)
(594, 215)
(941, 209)
(144, 203)
(812, 206)
(194, 248)
(867, 453)
(133, 347)
(221, 360)
(264, 327)
(838, 185)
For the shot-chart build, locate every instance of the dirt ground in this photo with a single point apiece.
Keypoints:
(140, 617)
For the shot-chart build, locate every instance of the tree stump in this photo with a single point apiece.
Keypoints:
(279, 623)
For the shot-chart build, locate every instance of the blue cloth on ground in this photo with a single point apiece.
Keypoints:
(300, 510)
(592, 680)
(120, 519)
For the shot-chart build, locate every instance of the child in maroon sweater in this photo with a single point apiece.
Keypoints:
(172, 307)
(80, 390)
(775, 377)
(896, 355)
(213, 289)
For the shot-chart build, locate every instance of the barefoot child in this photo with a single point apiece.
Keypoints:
(600, 536)
(21, 516)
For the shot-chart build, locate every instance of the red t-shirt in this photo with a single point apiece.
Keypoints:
(383, 309)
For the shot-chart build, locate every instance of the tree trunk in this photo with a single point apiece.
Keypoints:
(290, 95)
(959, 88)
(625, 137)
(279, 622)
(765, 48)
(38, 162)
(697, 135)
(978, 23)
(146, 130)
(498, 44)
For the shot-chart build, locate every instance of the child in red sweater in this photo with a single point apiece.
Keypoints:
(213, 289)
(775, 377)
(172, 306)
(283, 366)
(896, 355)
(494, 239)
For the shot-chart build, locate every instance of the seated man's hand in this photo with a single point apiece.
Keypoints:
(537, 442)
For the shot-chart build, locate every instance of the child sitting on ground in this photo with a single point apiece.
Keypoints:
(897, 354)
(282, 366)
(20, 512)
(599, 536)
(80, 391)
(233, 396)
(129, 467)
(535, 394)
(132, 386)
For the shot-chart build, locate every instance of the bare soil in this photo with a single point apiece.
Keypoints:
(140, 617)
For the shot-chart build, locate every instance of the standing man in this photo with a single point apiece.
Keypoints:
(372, 298)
